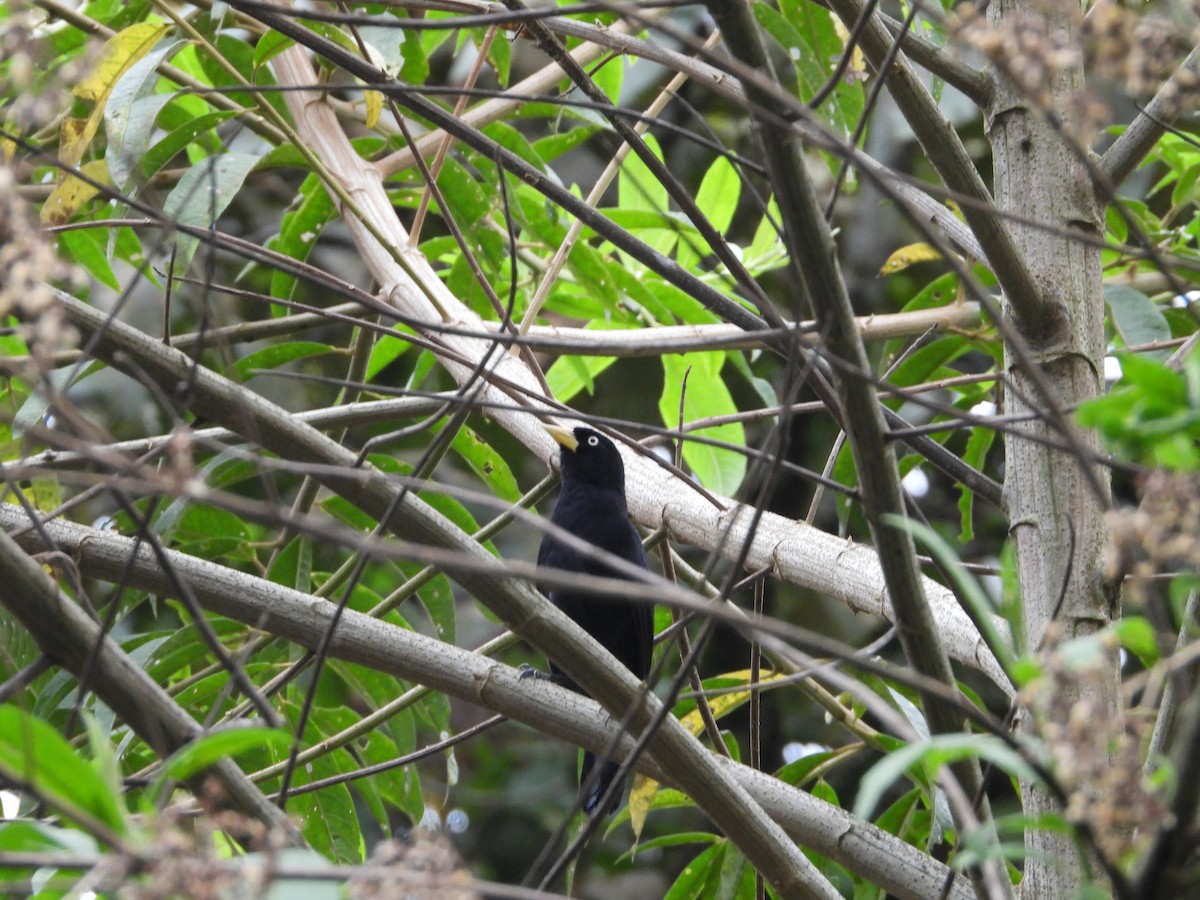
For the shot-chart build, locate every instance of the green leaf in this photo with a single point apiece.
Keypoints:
(716, 468)
(178, 138)
(975, 455)
(809, 35)
(292, 567)
(677, 839)
(202, 194)
(717, 199)
(695, 875)
(928, 362)
(895, 818)
(86, 247)
(500, 56)
(609, 78)
(930, 755)
(1137, 636)
(555, 145)
(33, 753)
(201, 753)
(766, 247)
(571, 374)
(733, 872)
(24, 836)
(797, 772)
(491, 468)
(1137, 318)
(385, 351)
(269, 46)
(1152, 416)
(208, 531)
(38, 402)
(719, 193)
(464, 195)
(129, 116)
(277, 355)
(299, 230)
(638, 189)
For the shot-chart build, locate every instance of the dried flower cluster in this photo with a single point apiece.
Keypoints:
(1161, 535)
(1038, 50)
(27, 263)
(1039, 45)
(423, 866)
(36, 99)
(1096, 752)
(182, 860)
(1141, 53)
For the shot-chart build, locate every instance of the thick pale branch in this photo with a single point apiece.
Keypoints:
(656, 497)
(73, 640)
(799, 553)
(627, 342)
(526, 612)
(879, 857)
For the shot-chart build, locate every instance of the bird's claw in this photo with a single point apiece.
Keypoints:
(525, 670)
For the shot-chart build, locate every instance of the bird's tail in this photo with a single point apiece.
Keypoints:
(600, 785)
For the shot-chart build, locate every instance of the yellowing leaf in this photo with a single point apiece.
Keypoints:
(723, 704)
(641, 797)
(72, 192)
(73, 138)
(120, 52)
(374, 101)
(907, 256)
(857, 70)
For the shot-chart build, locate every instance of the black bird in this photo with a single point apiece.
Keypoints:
(591, 506)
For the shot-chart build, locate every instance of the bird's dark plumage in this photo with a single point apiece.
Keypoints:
(591, 506)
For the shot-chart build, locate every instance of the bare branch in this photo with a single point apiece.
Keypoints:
(70, 638)
(878, 856)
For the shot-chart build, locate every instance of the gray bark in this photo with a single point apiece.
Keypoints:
(1056, 513)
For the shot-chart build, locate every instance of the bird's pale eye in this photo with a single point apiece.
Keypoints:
(593, 441)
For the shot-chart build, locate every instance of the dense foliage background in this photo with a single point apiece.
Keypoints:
(894, 361)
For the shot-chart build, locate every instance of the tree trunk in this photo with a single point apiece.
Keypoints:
(1055, 507)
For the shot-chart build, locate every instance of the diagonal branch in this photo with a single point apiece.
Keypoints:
(949, 157)
(809, 238)
(526, 612)
(66, 634)
(1151, 123)
(883, 859)
(795, 551)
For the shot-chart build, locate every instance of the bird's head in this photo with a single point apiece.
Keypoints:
(588, 457)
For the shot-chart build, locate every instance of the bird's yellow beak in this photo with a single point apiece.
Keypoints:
(564, 436)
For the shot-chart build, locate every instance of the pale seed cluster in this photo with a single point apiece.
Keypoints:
(182, 860)
(1161, 535)
(422, 866)
(28, 263)
(1096, 753)
(1035, 47)
(37, 100)
(1141, 53)
(1038, 50)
